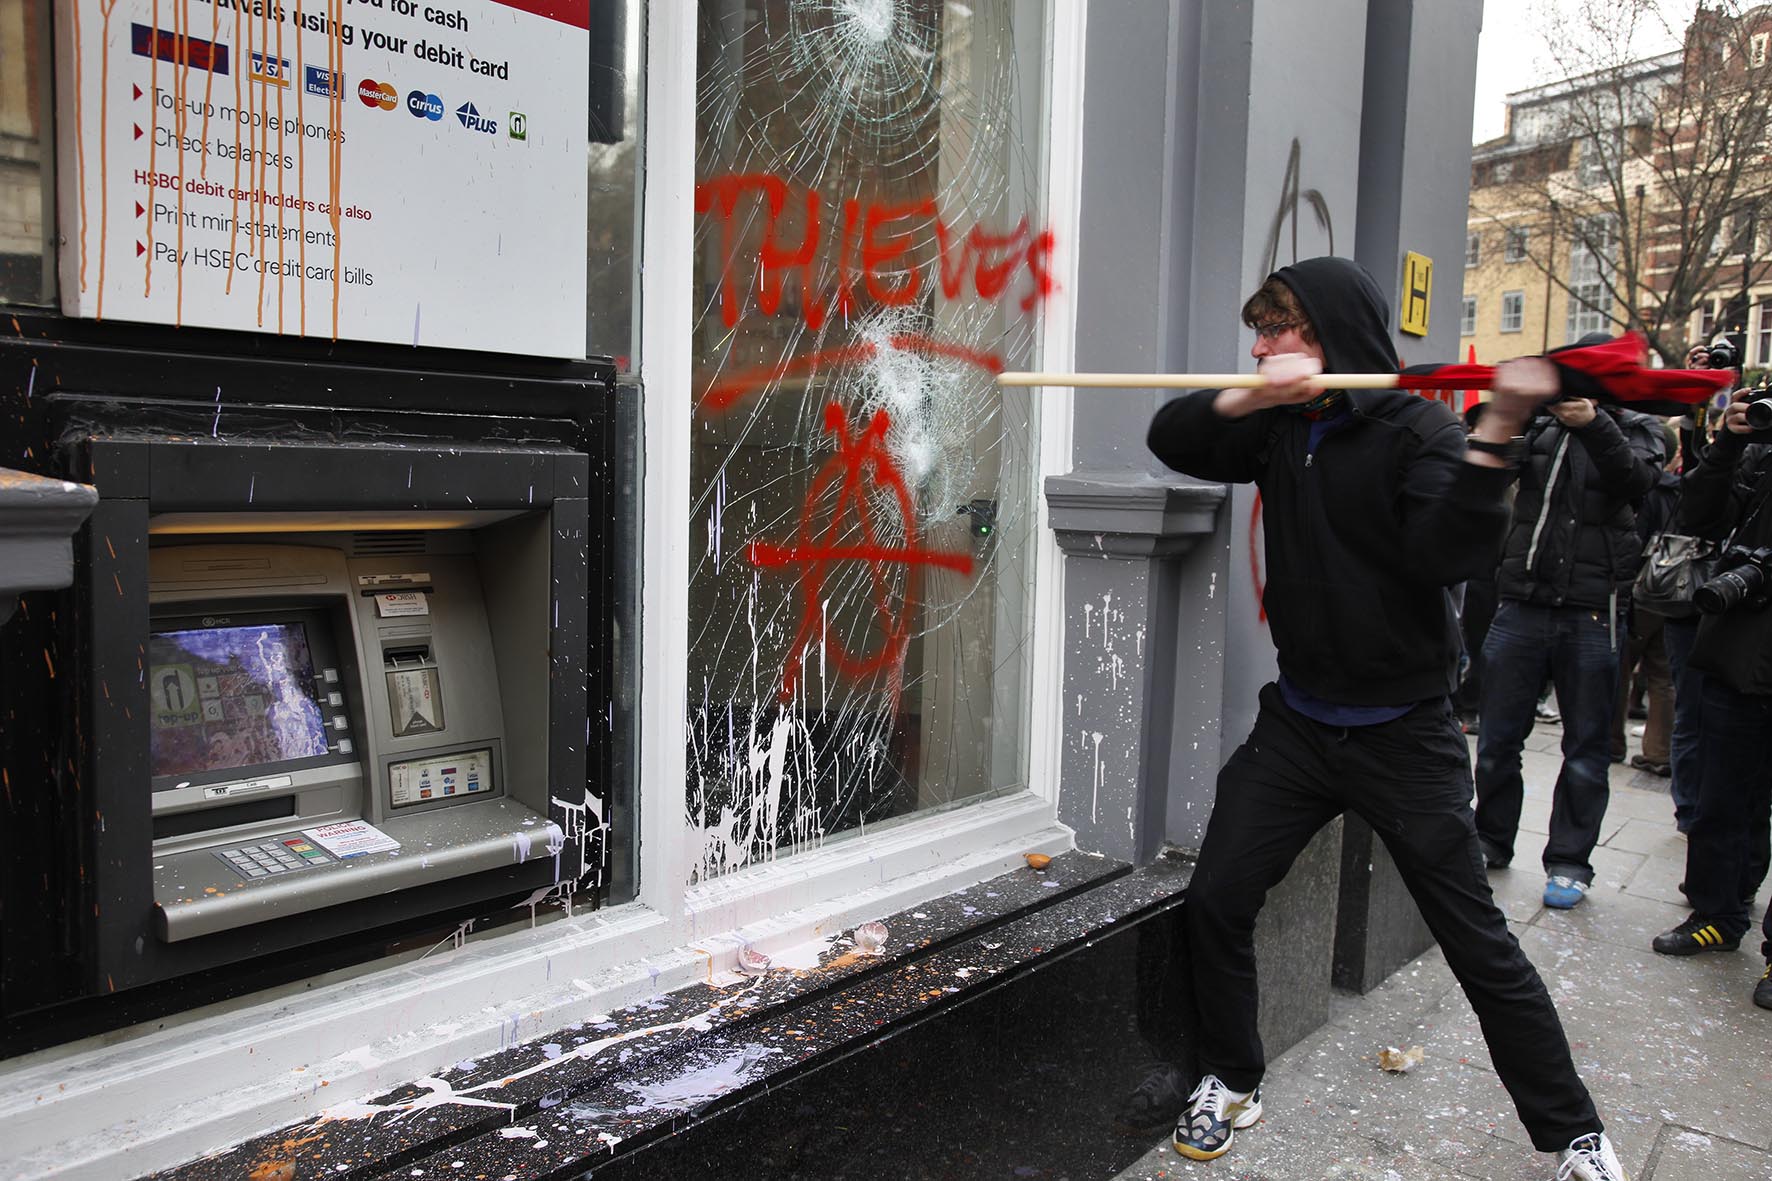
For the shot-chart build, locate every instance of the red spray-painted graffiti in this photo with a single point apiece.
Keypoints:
(863, 456)
(873, 251)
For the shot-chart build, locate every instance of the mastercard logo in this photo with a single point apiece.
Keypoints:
(377, 94)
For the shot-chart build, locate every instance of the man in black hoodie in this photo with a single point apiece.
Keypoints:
(1372, 507)
(1564, 583)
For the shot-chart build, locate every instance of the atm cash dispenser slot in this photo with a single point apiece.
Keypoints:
(325, 729)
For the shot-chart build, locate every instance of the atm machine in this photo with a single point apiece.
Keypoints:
(323, 730)
(331, 701)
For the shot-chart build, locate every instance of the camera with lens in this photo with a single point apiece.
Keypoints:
(1721, 354)
(1745, 578)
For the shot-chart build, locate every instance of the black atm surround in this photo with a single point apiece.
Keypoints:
(315, 435)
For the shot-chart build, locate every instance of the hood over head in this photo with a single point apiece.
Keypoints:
(1348, 312)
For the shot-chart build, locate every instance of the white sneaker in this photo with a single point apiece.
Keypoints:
(1590, 1158)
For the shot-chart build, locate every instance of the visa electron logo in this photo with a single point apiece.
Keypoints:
(324, 83)
(376, 94)
(425, 106)
(472, 120)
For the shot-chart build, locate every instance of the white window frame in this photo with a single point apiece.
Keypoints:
(1514, 320)
(248, 1065)
(1473, 248)
(1757, 49)
(1467, 321)
(1762, 335)
(1515, 250)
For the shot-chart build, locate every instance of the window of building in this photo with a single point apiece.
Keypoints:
(1516, 246)
(1504, 171)
(864, 512)
(1591, 259)
(27, 164)
(1467, 321)
(1762, 333)
(1599, 155)
(1513, 311)
(1707, 320)
(1757, 49)
(1473, 249)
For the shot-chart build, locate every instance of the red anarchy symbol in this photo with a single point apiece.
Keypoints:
(864, 456)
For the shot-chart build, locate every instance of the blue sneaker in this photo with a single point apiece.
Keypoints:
(1561, 893)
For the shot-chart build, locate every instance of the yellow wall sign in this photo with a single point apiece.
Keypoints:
(1418, 287)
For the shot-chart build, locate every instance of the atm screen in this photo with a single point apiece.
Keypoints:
(226, 698)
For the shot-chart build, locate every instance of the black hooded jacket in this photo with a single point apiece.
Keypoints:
(1365, 536)
(1574, 540)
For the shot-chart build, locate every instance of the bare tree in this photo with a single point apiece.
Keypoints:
(1639, 185)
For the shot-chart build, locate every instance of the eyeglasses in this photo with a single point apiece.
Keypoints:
(1274, 329)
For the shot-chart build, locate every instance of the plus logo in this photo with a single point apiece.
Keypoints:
(474, 121)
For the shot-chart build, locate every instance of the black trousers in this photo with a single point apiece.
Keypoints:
(1411, 781)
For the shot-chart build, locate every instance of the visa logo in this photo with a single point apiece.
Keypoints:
(324, 83)
(274, 70)
(474, 121)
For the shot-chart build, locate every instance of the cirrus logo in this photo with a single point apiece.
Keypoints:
(425, 106)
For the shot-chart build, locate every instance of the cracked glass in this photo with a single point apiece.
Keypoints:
(869, 253)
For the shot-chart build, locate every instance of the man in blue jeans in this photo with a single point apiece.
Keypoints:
(1569, 556)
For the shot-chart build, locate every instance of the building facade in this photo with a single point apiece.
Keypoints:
(465, 648)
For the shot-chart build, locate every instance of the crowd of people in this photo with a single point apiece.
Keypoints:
(1598, 484)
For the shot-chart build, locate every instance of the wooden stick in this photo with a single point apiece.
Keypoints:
(1194, 381)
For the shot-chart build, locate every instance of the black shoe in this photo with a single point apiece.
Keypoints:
(1493, 857)
(1695, 935)
(1649, 765)
(1155, 1102)
(1763, 990)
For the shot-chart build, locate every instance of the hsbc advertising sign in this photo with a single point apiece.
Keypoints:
(283, 191)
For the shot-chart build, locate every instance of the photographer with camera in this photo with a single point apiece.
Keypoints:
(1568, 558)
(1727, 849)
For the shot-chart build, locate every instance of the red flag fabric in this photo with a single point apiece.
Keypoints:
(1616, 367)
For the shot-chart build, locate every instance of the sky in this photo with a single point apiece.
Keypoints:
(1512, 54)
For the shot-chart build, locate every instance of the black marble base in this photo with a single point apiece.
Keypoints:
(996, 1036)
(1378, 927)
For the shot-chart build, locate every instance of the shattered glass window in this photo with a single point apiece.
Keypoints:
(869, 254)
(612, 166)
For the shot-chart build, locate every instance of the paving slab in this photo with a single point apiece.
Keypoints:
(1686, 1155)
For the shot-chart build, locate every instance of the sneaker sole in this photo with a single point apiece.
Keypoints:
(1246, 1120)
(1690, 948)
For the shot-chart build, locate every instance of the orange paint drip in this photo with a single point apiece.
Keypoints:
(301, 191)
(79, 144)
(264, 144)
(47, 659)
(104, 137)
(335, 56)
(208, 88)
(153, 137)
(280, 251)
(181, 85)
(234, 221)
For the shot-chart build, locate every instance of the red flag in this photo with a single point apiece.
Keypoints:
(1615, 369)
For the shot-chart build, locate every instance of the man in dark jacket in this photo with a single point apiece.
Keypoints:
(1727, 847)
(1563, 585)
(1372, 507)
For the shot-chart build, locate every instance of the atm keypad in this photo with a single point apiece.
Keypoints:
(269, 858)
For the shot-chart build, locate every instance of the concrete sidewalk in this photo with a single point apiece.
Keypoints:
(1678, 1057)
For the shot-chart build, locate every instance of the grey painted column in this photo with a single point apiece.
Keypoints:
(38, 519)
(1122, 538)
